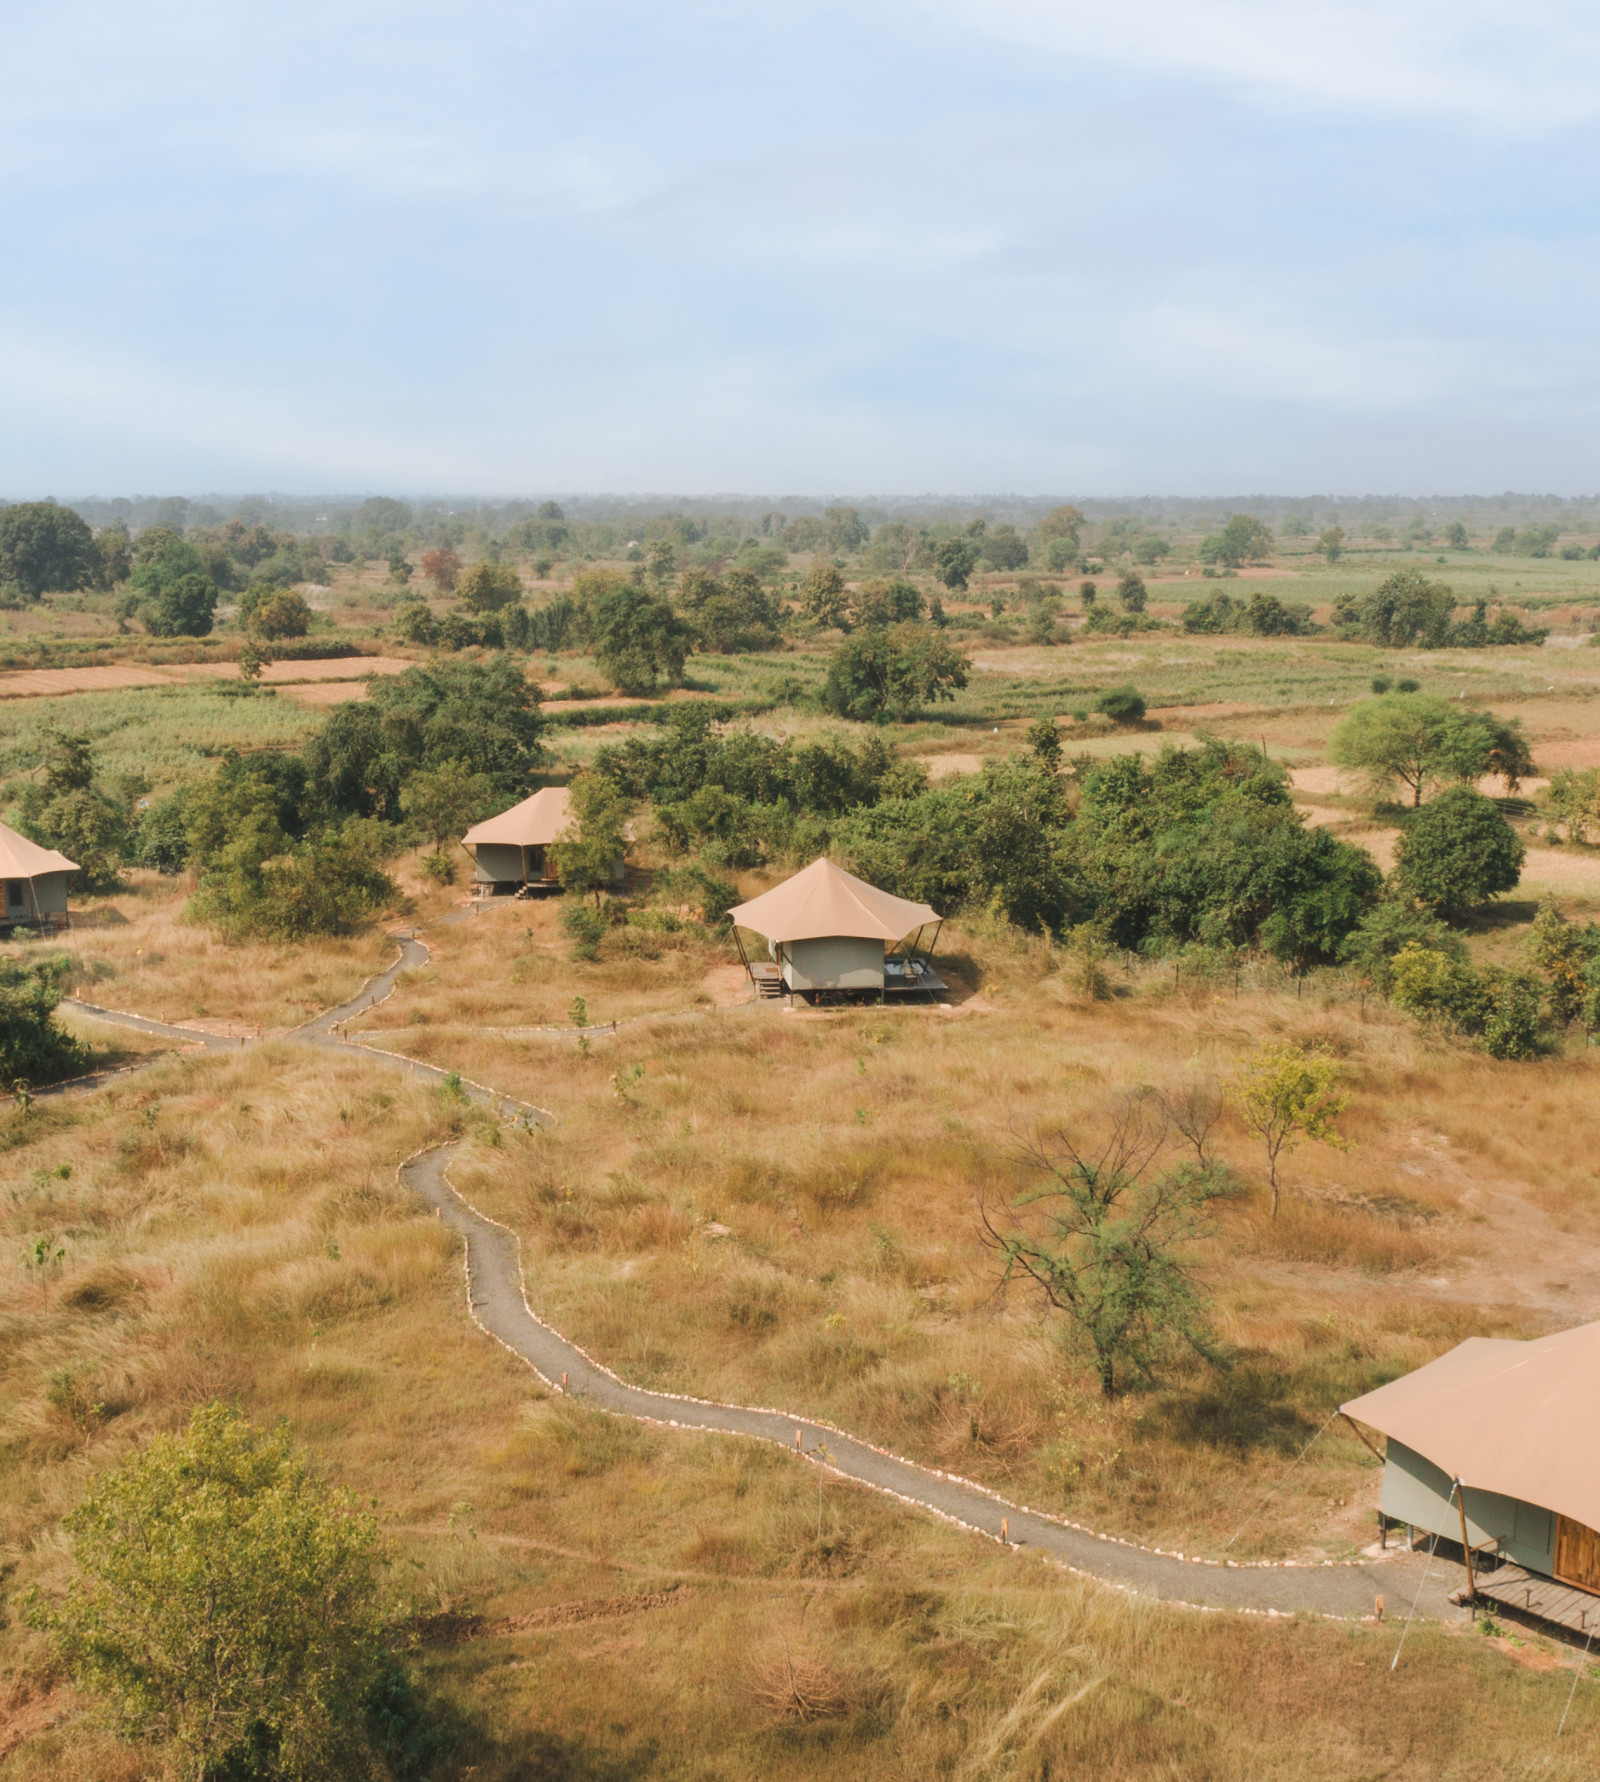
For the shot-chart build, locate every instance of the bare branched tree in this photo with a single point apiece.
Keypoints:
(1108, 1241)
(1193, 1109)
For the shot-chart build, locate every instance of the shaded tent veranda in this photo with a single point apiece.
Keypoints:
(1495, 1445)
(34, 881)
(828, 932)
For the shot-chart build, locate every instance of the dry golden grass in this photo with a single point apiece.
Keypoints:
(847, 1154)
(509, 967)
(137, 952)
(236, 1231)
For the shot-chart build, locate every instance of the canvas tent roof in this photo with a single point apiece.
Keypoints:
(23, 859)
(826, 900)
(531, 824)
(1500, 1415)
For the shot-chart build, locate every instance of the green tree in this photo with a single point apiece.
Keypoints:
(729, 615)
(893, 673)
(114, 551)
(228, 1604)
(261, 887)
(1457, 852)
(1455, 535)
(1044, 739)
(1285, 1094)
(1331, 543)
(183, 607)
(1573, 798)
(1131, 592)
(274, 613)
(882, 602)
(638, 641)
(1110, 1245)
(1569, 958)
(954, 561)
(823, 599)
(482, 714)
(1406, 610)
(1244, 539)
(34, 1048)
(45, 548)
(487, 587)
(67, 809)
(380, 514)
(1062, 522)
(1414, 740)
(1004, 548)
(596, 840)
(442, 801)
(1386, 930)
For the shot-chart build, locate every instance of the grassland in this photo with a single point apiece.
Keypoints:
(592, 1599)
(782, 1208)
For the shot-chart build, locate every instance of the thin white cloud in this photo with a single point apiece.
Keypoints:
(1519, 65)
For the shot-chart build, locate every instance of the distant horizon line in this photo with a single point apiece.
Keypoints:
(641, 498)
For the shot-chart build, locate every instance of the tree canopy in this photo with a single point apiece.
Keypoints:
(637, 639)
(1457, 852)
(228, 1604)
(892, 673)
(1416, 740)
(45, 548)
(1244, 539)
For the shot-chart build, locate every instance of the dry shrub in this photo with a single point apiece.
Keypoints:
(796, 1684)
(108, 1287)
(717, 1550)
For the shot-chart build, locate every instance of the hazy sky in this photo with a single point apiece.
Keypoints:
(1087, 246)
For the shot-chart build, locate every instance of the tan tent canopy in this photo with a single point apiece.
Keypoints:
(824, 900)
(23, 859)
(1511, 1417)
(534, 823)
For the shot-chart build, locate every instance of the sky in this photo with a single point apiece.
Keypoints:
(1076, 247)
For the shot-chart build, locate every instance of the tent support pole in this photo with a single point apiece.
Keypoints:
(1466, 1545)
(743, 958)
(1363, 1440)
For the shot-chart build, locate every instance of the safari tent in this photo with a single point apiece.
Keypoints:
(35, 883)
(1495, 1447)
(511, 852)
(829, 934)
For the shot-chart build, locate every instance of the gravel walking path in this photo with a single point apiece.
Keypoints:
(498, 1302)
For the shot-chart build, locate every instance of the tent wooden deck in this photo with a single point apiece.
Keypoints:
(1530, 1593)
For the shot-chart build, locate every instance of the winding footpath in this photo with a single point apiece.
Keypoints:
(497, 1297)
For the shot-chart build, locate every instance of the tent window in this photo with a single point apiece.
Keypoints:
(13, 894)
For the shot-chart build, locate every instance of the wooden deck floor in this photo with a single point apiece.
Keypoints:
(1532, 1594)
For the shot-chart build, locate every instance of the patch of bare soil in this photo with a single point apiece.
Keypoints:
(328, 693)
(40, 683)
(1571, 751)
(24, 1715)
(727, 986)
(943, 766)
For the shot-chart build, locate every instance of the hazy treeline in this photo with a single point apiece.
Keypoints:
(605, 521)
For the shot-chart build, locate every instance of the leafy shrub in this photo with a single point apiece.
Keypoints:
(1457, 852)
(33, 1046)
(1122, 705)
(329, 885)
